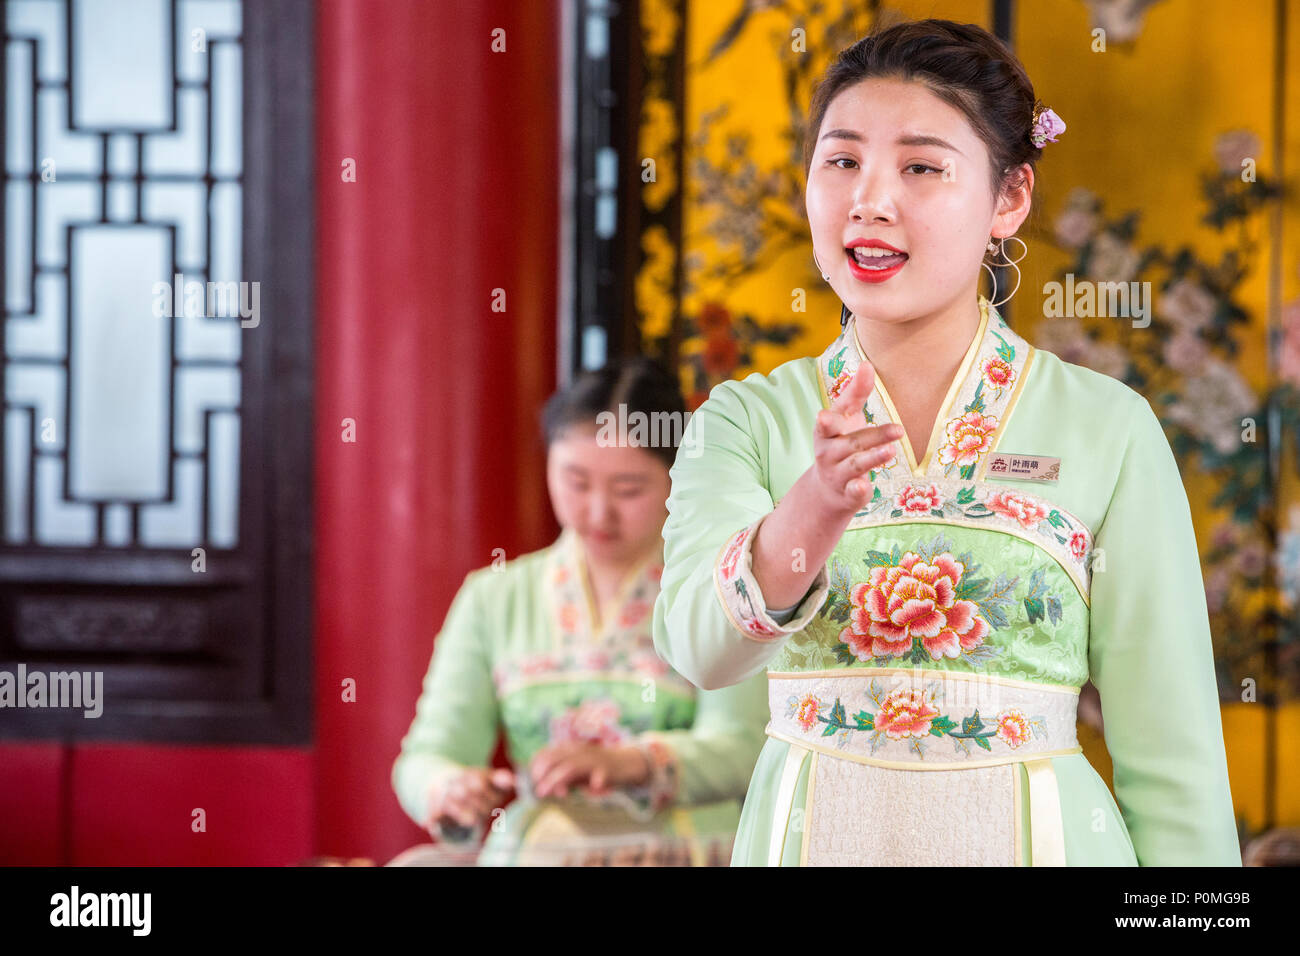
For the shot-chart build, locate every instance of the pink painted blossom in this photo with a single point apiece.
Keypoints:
(1289, 360)
(1232, 148)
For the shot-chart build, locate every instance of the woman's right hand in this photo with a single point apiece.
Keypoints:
(469, 798)
(810, 519)
(845, 450)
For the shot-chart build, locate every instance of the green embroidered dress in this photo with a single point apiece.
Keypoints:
(521, 652)
(922, 699)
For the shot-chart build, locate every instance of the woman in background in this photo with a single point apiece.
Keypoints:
(611, 749)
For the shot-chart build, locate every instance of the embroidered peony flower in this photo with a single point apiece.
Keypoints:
(1026, 509)
(592, 721)
(634, 613)
(837, 386)
(998, 374)
(910, 601)
(905, 713)
(593, 660)
(1013, 727)
(569, 616)
(538, 664)
(1079, 544)
(806, 712)
(920, 500)
(969, 437)
(732, 555)
(649, 662)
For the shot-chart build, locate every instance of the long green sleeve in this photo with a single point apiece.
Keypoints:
(720, 485)
(456, 717)
(1151, 658)
(716, 755)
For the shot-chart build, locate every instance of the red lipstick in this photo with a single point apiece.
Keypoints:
(876, 268)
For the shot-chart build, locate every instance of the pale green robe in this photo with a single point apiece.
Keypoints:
(519, 654)
(1092, 575)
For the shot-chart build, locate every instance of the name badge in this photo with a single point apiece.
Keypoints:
(1028, 467)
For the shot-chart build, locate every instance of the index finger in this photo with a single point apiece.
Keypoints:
(845, 412)
(854, 394)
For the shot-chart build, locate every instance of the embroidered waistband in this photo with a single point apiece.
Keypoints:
(922, 719)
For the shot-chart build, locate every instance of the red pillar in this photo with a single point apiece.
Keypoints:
(456, 194)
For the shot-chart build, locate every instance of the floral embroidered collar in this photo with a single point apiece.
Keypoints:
(576, 617)
(974, 412)
(621, 647)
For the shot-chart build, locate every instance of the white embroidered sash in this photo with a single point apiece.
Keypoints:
(864, 807)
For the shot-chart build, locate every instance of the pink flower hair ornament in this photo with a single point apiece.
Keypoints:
(1046, 126)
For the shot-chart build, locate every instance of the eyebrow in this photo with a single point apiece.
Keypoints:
(623, 476)
(907, 139)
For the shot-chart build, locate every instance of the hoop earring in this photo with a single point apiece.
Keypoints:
(825, 277)
(999, 247)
